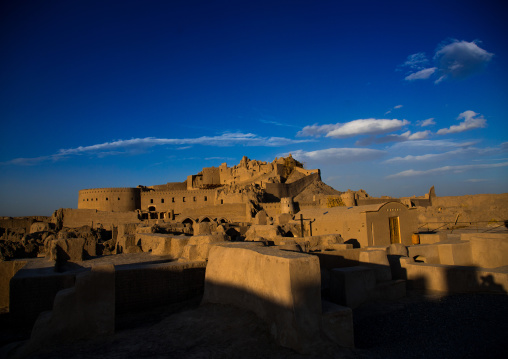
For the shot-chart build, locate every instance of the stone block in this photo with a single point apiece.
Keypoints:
(202, 228)
(489, 250)
(352, 286)
(163, 244)
(378, 261)
(84, 311)
(397, 249)
(258, 232)
(458, 254)
(70, 249)
(338, 324)
(431, 238)
(283, 288)
(39, 227)
(340, 246)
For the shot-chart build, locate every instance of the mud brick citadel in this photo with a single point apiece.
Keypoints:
(266, 238)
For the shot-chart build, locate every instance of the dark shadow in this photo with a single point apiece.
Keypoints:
(354, 242)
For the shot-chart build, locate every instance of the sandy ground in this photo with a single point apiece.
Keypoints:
(418, 326)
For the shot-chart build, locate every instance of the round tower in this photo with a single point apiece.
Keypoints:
(348, 198)
(286, 205)
(110, 199)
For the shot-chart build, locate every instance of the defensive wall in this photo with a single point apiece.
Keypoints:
(234, 212)
(178, 201)
(281, 190)
(110, 199)
(91, 217)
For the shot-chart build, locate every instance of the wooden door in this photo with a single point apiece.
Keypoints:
(394, 230)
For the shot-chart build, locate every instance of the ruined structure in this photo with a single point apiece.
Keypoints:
(304, 255)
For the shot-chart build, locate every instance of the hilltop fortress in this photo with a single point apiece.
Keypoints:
(232, 193)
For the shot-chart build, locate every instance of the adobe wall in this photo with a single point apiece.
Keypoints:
(141, 286)
(110, 199)
(90, 217)
(349, 226)
(483, 208)
(378, 227)
(178, 201)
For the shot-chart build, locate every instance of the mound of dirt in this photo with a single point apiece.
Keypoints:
(316, 191)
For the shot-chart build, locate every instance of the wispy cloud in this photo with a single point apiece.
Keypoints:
(393, 108)
(370, 126)
(447, 169)
(135, 145)
(406, 136)
(435, 144)
(464, 152)
(453, 59)
(276, 123)
(338, 155)
(421, 75)
(471, 120)
(427, 122)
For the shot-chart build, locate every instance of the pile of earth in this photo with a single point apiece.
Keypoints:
(316, 191)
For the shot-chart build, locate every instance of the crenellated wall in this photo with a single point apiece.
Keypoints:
(110, 199)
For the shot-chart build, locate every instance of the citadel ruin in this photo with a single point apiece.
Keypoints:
(268, 238)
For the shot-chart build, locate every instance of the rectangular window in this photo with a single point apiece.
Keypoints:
(183, 199)
(107, 198)
(206, 198)
(151, 200)
(173, 199)
(162, 200)
(194, 199)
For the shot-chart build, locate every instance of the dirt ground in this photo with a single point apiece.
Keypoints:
(418, 326)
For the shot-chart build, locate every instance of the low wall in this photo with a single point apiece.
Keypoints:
(90, 217)
(141, 286)
(454, 279)
(7, 270)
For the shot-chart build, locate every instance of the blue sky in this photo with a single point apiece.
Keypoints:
(391, 97)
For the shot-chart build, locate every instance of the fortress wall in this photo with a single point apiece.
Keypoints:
(90, 217)
(16, 223)
(178, 201)
(470, 208)
(110, 199)
(271, 209)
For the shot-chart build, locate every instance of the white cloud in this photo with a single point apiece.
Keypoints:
(461, 59)
(421, 75)
(338, 155)
(136, 145)
(398, 106)
(446, 169)
(416, 62)
(456, 59)
(471, 120)
(406, 136)
(316, 130)
(427, 122)
(369, 126)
